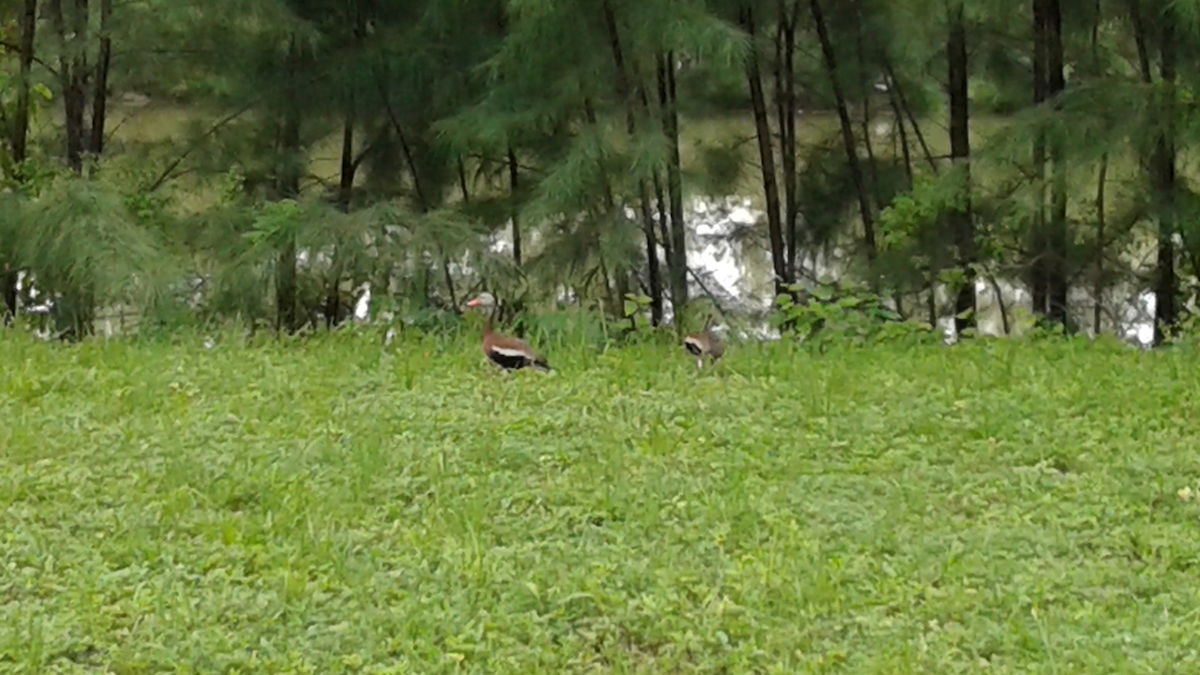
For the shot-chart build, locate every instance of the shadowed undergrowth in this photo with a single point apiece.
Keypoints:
(327, 506)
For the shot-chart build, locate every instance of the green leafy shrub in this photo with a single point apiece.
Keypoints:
(829, 313)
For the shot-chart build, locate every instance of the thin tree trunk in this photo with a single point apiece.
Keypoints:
(100, 90)
(847, 126)
(9, 276)
(865, 93)
(678, 241)
(905, 151)
(423, 202)
(1139, 40)
(872, 174)
(1057, 284)
(625, 92)
(960, 154)
(613, 307)
(664, 236)
(288, 187)
(1098, 281)
(462, 181)
(69, 79)
(1101, 184)
(9, 280)
(610, 202)
(656, 293)
(1162, 168)
(1039, 279)
(75, 95)
(766, 153)
(513, 187)
(902, 103)
(448, 279)
(1004, 322)
(787, 133)
(333, 295)
(664, 232)
(931, 300)
(20, 129)
(1166, 286)
(74, 309)
(349, 167)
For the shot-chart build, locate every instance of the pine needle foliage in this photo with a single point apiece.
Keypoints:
(83, 248)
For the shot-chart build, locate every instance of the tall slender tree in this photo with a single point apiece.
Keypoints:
(960, 216)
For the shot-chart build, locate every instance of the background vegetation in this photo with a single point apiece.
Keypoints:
(185, 162)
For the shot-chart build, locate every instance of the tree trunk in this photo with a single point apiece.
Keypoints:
(288, 187)
(1101, 183)
(20, 129)
(513, 187)
(423, 202)
(462, 181)
(906, 153)
(1004, 322)
(1056, 277)
(901, 103)
(860, 47)
(71, 73)
(75, 93)
(349, 168)
(8, 288)
(960, 154)
(624, 89)
(843, 111)
(655, 276)
(100, 90)
(1166, 286)
(664, 232)
(9, 276)
(74, 308)
(678, 241)
(1139, 40)
(1039, 267)
(785, 92)
(1162, 168)
(766, 153)
(351, 160)
(1098, 283)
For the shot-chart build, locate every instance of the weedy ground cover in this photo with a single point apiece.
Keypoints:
(326, 506)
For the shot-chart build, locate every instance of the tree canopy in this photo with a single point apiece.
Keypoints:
(268, 160)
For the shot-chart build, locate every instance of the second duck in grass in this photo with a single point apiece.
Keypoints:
(704, 343)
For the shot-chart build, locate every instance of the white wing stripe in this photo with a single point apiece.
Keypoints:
(509, 352)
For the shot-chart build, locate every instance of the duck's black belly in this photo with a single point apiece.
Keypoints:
(508, 361)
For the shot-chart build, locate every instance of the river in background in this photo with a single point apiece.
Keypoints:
(739, 277)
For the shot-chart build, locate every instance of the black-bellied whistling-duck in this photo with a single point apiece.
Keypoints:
(704, 343)
(507, 353)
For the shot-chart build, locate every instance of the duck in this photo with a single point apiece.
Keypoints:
(704, 343)
(506, 352)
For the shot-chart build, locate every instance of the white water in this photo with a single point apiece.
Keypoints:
(740, 276)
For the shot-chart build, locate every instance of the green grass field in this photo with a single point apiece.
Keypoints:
(324, 506)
